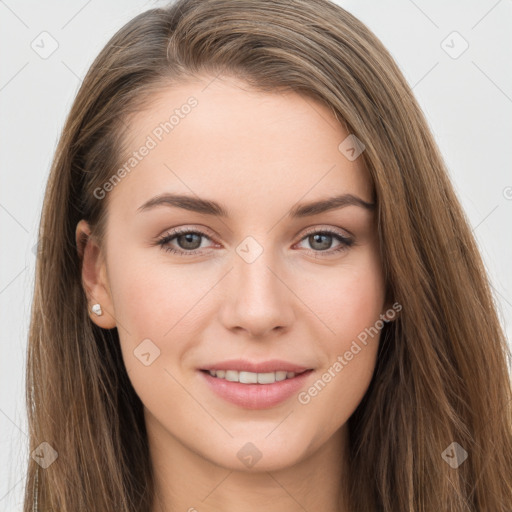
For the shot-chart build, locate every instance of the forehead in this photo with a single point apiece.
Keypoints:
(221, 139)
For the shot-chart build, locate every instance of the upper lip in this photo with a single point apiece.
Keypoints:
(273, 365)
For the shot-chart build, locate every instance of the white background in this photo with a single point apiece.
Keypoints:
(467, 102)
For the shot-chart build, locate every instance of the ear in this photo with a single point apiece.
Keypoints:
(94, 276)
(391, 311)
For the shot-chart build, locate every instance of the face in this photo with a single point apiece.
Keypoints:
(239, 275)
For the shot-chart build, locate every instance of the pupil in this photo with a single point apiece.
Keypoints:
(189, 241)
(318, 238)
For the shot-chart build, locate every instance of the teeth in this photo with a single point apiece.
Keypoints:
(281, 375)
(231, 375)
(266, 378)
(250, 377)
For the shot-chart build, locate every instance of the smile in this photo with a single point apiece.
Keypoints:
(255, 390)
(250, 377)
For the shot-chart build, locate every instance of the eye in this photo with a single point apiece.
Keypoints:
(321, 241)
(188, 241)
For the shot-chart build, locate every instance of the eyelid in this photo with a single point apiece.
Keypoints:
(314, 228)
(326, 228)
(187, 228)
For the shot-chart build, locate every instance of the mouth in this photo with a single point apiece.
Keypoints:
(256, 389)
(244, 377)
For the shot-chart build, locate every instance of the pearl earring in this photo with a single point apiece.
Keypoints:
(96, 308)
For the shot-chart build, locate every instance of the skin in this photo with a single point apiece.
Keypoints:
(257, 154)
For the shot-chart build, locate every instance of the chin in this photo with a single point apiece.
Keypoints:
(260, 454)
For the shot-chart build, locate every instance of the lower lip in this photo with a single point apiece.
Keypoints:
(256, 396)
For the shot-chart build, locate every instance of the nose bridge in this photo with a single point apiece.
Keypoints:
(258, 300)
(255, 278)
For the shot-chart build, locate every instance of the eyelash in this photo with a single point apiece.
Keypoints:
(163, 242)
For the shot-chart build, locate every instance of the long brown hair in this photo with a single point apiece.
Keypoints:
(441, 375)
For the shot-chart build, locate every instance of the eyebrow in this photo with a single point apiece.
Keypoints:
(207, 207)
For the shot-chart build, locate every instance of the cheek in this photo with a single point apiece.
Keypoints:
(159, 308)
(152, 308)
(350, 303)
(346, 299)
(151, 299)
(349, 362)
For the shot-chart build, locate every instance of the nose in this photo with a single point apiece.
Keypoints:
(258, 300)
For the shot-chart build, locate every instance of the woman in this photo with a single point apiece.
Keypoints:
(256, 287)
